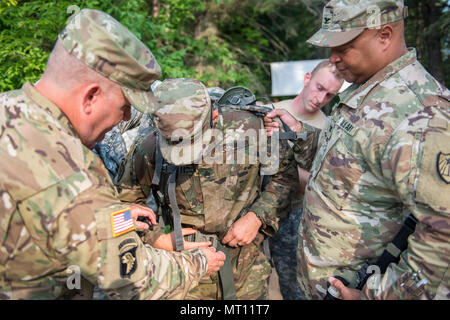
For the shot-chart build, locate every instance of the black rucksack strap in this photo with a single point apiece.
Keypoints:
(398, 244)
(392, 252)
(158, 165)
(179, 244)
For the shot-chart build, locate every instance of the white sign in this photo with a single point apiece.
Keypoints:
(287, 77)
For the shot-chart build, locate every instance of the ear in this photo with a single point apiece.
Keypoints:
(91, 94)
(385, 35)
(307, 78)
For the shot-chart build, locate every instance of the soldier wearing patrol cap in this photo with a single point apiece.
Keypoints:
(59, 209)
(192, 163)
(383, 157)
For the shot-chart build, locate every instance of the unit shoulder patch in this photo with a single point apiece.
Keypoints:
(443, 166)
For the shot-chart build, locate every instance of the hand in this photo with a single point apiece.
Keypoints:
(167, 241)
(346, 293)
(271, 125)
(137, 211)
(215, 259)
(243, 231)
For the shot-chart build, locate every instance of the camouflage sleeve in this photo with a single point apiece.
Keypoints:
(275, 196)
(305, 150)
(115, 259)
(416, 163)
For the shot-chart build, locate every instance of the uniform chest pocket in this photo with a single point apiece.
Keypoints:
(341, 170)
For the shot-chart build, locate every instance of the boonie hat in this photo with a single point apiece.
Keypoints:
(344, 20)
(183, 113)
(103, 44)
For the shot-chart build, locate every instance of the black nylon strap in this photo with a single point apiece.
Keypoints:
(226, 275)
(158, 166)
(400, 241)
(179, 245)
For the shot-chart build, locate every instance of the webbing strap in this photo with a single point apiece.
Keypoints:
(288, 134)
(226, 275)
(158, 166)
(400, 242)
(179, 245)
(292, 135)
(393, 250)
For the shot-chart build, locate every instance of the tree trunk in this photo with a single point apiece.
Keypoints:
(431, 14)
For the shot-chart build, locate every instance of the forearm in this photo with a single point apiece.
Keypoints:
(275, 196)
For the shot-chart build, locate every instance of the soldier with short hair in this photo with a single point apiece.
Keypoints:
(320, 87)
(382, 166)
(59, 209)
(216, 195)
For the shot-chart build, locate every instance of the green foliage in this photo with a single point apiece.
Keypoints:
(220, 42)
(29, 31)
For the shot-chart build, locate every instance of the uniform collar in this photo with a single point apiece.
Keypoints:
(49, 107)
(355, 94)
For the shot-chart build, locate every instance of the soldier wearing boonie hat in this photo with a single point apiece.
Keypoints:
(344, 20)
(56, 196)
(381, 167)
(218, 201)
(181, 117)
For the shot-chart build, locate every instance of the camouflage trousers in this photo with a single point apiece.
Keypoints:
(283, 249)
(251, 271)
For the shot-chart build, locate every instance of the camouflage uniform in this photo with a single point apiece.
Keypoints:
(384, 154)
(212, 197)
(57, 200)
(283, 245)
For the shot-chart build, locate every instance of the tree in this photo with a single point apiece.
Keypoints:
(427, 29)
(220, 42)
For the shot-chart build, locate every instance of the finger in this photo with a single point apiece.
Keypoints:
(228, 237)
(192, 245)
(221, 256)
(233, 243)
(141, 225)
(271, 124)
(188, 231)
(140, 211)
(274, 113)
(337, 284)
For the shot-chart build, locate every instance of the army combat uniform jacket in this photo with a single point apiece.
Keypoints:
(215, 195)
(383, 155)
(57, 205)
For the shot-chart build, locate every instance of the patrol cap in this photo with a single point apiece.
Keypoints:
(344, 20)
(105, 45)
(183, 113)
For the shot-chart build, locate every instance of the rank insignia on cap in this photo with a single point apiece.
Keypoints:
(121, 222)
(443, 166)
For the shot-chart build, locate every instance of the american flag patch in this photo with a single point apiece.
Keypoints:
(121, 222)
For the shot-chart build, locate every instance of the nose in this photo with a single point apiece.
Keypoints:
(334, 56)
(322, 97)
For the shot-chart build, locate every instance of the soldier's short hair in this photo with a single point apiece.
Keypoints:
(331, 66)
(67, 71)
